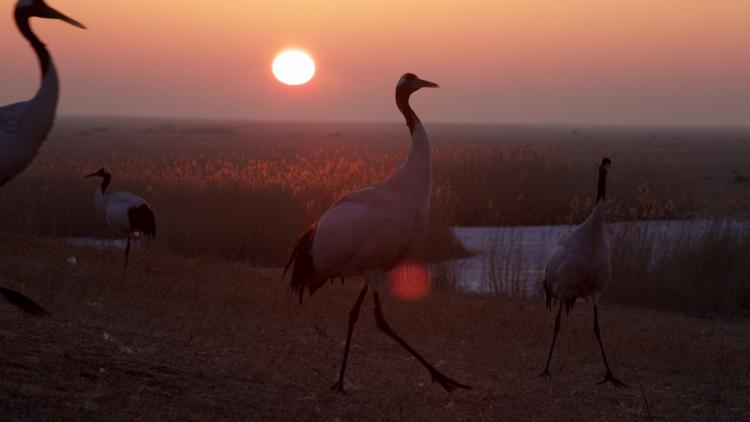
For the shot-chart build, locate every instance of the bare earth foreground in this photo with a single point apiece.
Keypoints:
(206, 339)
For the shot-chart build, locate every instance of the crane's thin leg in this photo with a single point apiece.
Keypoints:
(608, 377)
(437, 376)
(353, 315)
(546, 373)
(127, 252)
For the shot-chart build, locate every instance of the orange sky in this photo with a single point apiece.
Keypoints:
(577, 61)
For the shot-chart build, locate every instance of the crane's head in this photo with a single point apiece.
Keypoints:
(409, 83)
(605, 165)
(102, 172)
(39, 9)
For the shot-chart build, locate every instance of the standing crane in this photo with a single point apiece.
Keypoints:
(579, 267)
(24, 126)
(126, 213)
(369, 232)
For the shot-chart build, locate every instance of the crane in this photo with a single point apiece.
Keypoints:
(579, 267)
(369, 232)
(126, 213)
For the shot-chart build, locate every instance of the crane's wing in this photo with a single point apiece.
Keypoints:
(118, 204)
(573, 272)
(361, 230)
(22, 131)
(308, 274)
(142, 220)
(21, 122)
(12, 154)
(10, 119)
(364, 230)
(549, 273)
(562, 271)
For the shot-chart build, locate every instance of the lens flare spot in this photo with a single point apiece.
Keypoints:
(410, 281)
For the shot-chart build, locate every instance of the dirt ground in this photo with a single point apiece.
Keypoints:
(208, 339)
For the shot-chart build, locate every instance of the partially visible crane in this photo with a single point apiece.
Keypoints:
(24, 126)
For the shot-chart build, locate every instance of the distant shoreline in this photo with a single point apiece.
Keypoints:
(565, 125)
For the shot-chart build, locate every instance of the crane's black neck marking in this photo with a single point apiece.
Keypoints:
(105, 182)
(601, 189)
(22, 16)
(402, 101)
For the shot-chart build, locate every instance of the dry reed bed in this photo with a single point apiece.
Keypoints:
(695, 270)
(246, 190)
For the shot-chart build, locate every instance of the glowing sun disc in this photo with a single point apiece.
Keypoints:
(293, 67)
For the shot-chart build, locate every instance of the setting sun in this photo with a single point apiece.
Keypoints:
(293, 67)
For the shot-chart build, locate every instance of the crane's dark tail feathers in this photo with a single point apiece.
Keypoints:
(569, 305)
(141, 219)
(23, 302)
(303, 271)
(550, 299)
(547, 293)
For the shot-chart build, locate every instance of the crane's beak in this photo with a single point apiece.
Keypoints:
(51, 13)
(96, 173)
(421, 83)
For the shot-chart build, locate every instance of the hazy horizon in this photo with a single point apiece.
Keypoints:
(397, 120)
(671, 63)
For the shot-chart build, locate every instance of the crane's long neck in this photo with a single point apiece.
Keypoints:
(100, 197)
(416, 175)
(420, 154)
(45, 61)
(601, 187)
(596, 220)
(402, 101)
(38, 116)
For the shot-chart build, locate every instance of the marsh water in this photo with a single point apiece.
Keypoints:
(512, 259)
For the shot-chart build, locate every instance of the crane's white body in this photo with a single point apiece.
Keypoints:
(24, 126)
(115, 207)
(371, 230)
(579, 265)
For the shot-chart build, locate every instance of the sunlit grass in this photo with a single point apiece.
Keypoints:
(697, 269)
(234, 202)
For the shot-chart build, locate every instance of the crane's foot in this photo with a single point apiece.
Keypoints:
(339, 386)
(545, 373)
(446, 382)
(609, 377)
